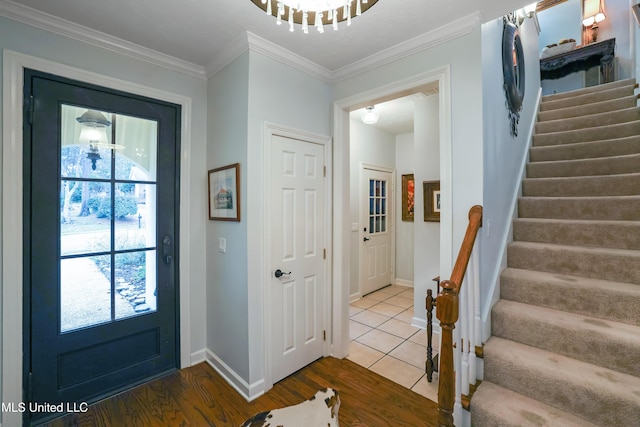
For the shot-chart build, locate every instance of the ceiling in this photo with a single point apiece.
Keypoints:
(201, 32)
(396, 115)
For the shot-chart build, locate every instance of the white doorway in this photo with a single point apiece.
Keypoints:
(342, 248)
(378, 237)
(298, 288)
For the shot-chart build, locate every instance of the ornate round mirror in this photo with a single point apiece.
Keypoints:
(513, 72)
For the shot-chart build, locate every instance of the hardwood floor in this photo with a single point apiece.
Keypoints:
(198, 396)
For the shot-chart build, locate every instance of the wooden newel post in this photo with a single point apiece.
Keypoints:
(447, 313)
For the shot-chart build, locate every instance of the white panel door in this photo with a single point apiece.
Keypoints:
(377, 249)
(297, 251)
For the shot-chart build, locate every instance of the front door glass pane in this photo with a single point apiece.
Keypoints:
(377, 206)
(85, 292)
(107, 217)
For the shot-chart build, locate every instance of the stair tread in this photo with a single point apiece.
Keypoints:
(591, 160)
(612, 328)
(585, 99)
(590, 117)
(566, 368)
(591, 89)
(599, 394)
(599, 106)
(579, 221)
(588, 129)
(600, 298)
(587, 150)
(592, 198)
(585, 177)
(611, 131)
(560, 280)
(577, 248)
(520, 411)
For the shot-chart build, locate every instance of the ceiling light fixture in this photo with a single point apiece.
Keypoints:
(94, 132)
(370, 116)
(314, 12)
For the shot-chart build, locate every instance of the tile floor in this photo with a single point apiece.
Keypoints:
(383, 340)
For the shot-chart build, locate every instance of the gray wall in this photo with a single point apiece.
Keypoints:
(503, 155)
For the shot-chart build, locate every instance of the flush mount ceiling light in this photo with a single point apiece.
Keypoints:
(370, 116)
(314, 12)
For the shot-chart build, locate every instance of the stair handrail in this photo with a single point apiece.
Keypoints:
(447, 311)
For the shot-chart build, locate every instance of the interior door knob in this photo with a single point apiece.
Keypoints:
(366, 239)
(279, 273)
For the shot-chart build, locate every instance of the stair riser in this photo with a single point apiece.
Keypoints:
(591, 89)
(605, 185)
(574, 295)
(601, 96)
(588, 121)
(589, 341)
(537, 383)
(587, 150)
(597, 108)
(609, 234)
(596, 264)
(586, 167)
(585, 135)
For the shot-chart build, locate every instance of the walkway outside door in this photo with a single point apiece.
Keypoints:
(100, 276)
(298, 284)
(377, 206)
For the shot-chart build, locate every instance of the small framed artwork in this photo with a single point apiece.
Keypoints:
(408, 197)
(224, 193)
(431, 201)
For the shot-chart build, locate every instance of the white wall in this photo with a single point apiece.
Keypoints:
(619, 24)
(227, 288)
(38, 43)
(261, 90)
(375, 147)
(426, 257)
(405, 164)
(503, 155)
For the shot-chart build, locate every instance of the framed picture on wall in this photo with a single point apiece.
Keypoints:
(224, 193)
(408, 193)
(431, 201)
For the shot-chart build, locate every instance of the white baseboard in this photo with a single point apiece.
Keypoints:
(248, 391)
(198, 357)
(404, 282)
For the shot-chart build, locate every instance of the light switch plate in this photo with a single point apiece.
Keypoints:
(222, 245)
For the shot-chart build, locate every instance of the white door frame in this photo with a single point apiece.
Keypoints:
(270, 130)
(391, 205)
(341, 196)
(14, 64)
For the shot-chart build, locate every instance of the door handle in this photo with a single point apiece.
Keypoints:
(279, 273)
(166, 250)
(366, 239)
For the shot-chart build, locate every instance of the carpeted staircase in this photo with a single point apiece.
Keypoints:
(565, 345)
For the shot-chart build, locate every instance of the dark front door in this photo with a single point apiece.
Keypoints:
(101, 229)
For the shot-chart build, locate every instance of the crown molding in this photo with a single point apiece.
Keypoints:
(56, 25)
(453, 30)
(255, 43)
(258, 44)
(237, 47)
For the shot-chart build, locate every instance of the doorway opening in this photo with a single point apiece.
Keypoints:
(435, 83)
